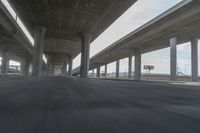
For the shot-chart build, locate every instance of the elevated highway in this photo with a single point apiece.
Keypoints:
(45, 103)
(181, 21)
(60, 28)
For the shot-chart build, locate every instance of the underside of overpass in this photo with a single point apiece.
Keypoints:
(39, 101)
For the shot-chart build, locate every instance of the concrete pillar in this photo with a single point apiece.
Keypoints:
(117, 68)
(53, 69)
(4, 62)
(137, 75)
(43, 68)
(92, 72)
(70, 66)
(25, 67)
(106, 70)
(129, 67)
(64, 68)
(98, 72)
(49, 67)
(173, 58)
(38, 51)
(194, 52)
(85, 50)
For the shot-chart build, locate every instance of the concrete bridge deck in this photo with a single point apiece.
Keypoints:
(70, 105)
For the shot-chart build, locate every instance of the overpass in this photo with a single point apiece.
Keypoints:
(60, 30)
(175, 26)
(61, 38)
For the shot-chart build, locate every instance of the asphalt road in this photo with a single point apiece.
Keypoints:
(63, 105)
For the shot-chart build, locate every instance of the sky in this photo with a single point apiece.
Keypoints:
(137, 15)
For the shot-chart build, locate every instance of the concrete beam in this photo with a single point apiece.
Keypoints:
(129, 67)
(194, 52)
(85, 54)
(173, 58)
(38, 51)
(137, 75)
(70, 66)
(7, 21)
(117, 68)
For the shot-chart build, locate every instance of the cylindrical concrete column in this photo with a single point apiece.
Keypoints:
(49, 67)
(4, 62)
(173, 58)
(137, 75)
(70, 66)
(85, 50)
(38, 51)
(106, 70)
(129, 67)
(98, 72)
(64, 68)
(194, 52)
(117, 68)
(92, 72)
(53, 69)
(25, 64)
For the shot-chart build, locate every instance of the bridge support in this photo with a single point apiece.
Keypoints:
(38, 51)
(129, 67)
(194, 52)
(173, 58)
(106, 70)
(49, 67)
(85, 51)
(5, 62)
(70, 66)
(64, 68)
(25, 64)
(92, 72)
(53, 69)
(98, 72)
(137, 75)
(117, 68)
